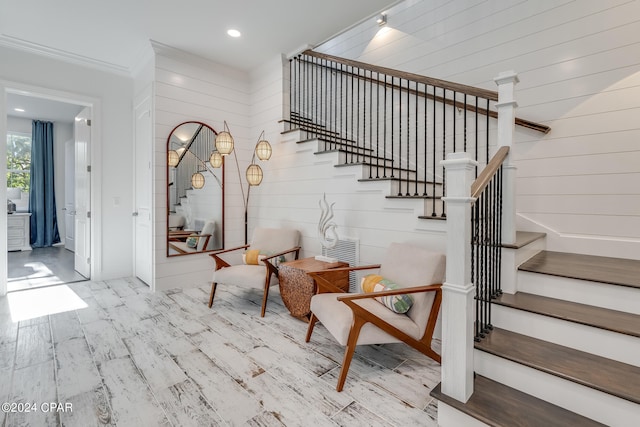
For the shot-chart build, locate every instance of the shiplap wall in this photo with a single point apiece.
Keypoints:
(579, 69)
(295, 180)
(190, 88)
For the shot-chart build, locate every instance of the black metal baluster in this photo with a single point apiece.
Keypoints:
(487, 131)
(351, 97)
(408, 135)
(426, 142)
(415, 193)
(377, 152)
(433, 204)
(370, 123)
(477, 131)
(400, 138)
(291, 77)
(465, 122)
(455, 96)
(500, 183)
(393, 139)
(331, 111)
(357, 99)
(384, 133)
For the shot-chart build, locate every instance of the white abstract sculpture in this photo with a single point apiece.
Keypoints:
(326, 228)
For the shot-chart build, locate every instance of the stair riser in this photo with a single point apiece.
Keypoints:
(599, 406)
(327, 146)
(622, 298)
(377, 165)
(612, 345)
(429, 207)
(451, 417)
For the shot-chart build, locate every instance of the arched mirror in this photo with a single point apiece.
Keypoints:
(195, 190)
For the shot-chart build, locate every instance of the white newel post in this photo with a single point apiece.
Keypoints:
(506, 107)
(458, 291)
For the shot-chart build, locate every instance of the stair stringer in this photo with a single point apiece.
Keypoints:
(609, 246)
(361, 209)
(420, 207)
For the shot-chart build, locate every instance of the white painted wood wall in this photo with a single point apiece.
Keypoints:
(190, 88)
(579, 73)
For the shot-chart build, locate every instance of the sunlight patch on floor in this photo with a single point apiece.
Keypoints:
(34, 303)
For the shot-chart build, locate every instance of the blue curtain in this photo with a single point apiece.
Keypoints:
(42, 202)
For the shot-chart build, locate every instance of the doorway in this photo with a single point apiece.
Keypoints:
(69, 260)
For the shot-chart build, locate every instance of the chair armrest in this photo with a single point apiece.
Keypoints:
(220, 263)
(294, 249)
(324, 286)
(333, 270)
(402, 291)
(272, 268)
(229, 250)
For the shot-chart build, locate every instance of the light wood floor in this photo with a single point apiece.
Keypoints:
(136, 358)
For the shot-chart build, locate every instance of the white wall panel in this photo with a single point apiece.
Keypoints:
(579, 73)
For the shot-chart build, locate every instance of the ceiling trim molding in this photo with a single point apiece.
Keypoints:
(38, 49)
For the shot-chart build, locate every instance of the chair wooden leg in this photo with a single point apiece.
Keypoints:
(212, 294)
(264, 299)
(312, 322)
(349, 350)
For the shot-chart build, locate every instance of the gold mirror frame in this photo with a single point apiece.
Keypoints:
(195, 191)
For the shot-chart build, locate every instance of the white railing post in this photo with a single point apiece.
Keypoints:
(506, 107)
(458, 291)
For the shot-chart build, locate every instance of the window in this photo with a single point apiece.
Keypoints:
(18, 160)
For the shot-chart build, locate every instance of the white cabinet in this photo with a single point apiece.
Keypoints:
(18, 231)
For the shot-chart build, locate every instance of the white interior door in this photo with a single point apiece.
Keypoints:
(143, 250)
(69, 196)
(82, 218)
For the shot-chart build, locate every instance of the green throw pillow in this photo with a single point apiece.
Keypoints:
(396, 303)
(192, 241)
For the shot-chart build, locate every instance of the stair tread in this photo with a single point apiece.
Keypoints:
(617, 271)
(523, 238)
(496, 404)
(597, 317)
(606, 375)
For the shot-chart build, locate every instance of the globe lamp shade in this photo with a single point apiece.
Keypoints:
(224, 143)
(215, 160)
(197, 180)
(173, 158)
(263, 150)
(254, 174)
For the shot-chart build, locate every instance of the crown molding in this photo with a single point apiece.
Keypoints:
(38, 49)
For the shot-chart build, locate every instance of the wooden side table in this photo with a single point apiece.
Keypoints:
(297, 288)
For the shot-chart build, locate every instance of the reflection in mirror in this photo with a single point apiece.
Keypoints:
(195, 190)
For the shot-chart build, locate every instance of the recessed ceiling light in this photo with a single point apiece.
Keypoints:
(19, 110)
(234, 33)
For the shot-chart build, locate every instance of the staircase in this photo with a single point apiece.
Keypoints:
(565, 348)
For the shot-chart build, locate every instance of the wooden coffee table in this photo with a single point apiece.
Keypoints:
(297, 288)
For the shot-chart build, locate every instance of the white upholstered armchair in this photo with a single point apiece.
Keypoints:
(257, 266)
(361, 319)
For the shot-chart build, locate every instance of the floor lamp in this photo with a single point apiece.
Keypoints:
(253, 174)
